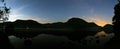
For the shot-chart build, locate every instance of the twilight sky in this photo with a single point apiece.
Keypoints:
(48, 11)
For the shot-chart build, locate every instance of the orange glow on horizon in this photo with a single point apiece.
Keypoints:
(99, 21)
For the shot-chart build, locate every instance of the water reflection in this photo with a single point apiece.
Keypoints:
(52, 41)
(99, 39)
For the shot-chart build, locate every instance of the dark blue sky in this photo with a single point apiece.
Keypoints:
(44, 11)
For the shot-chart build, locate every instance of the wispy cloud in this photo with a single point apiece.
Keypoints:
(17, 14)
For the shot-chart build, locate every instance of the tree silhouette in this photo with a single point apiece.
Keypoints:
(115, 41)
(116, 20)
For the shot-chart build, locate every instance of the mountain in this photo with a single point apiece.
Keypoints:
(26, 23)
(108, 28)
(78, 23)
(75, 23)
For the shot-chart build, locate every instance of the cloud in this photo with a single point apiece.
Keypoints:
(17, 14)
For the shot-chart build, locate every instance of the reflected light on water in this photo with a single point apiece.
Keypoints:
(102, 33)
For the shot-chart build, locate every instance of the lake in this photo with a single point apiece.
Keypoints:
(52, 41)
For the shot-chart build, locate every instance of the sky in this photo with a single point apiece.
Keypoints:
(49, 11)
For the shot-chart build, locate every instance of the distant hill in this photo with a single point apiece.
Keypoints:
(26, 23)
(108, 28)
(79, 23)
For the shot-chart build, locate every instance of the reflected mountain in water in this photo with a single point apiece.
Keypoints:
(51, 41)
(70, 34)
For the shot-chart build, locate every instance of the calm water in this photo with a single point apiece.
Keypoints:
(44, 40)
